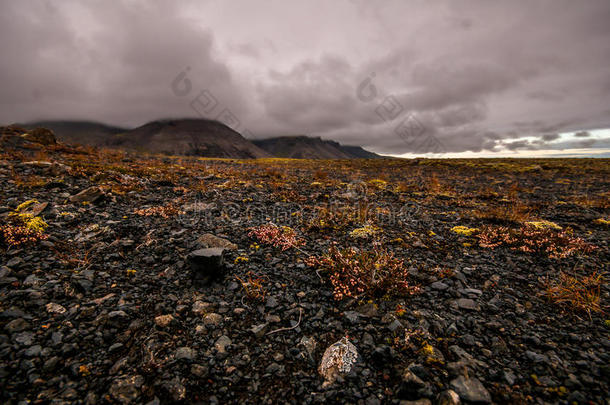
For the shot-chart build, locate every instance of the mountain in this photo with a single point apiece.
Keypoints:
(304, 147)
(81, 132)
(199, 137)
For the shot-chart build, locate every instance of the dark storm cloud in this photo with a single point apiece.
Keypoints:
(582, 134)
(476, 75)
(118, 72)
(550, 137)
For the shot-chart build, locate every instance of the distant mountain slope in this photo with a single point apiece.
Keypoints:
(81, 132)
(200, 137)
(197, 137)
(304, 147)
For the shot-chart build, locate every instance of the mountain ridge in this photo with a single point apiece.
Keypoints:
(200, 137)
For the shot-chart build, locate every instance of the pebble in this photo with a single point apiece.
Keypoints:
(470, 389)
(163, 321)
(221, 343)
(467, 303)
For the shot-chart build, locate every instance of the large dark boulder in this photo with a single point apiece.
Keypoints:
(42, 136)
(207, 265)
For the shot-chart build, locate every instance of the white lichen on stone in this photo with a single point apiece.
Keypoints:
(338, 359)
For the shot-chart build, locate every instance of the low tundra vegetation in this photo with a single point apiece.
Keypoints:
(282, 237)
(535, 239)
(23, 228)
(576, 293)
(357, 273)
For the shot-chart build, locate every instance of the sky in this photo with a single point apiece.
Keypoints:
(406, 78)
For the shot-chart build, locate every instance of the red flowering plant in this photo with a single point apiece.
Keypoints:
(270, 234)
(531, 239)
(355, 273)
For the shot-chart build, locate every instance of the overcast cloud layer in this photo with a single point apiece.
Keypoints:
(394, 76)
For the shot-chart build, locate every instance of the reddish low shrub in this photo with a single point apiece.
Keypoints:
(281, 237)
(530, 239)
(356, 273)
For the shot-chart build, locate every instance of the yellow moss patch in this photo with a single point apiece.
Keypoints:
(464, 230)
(241, 259)
(602, 221)
(24, 205)
(544, 225)
(364, 232)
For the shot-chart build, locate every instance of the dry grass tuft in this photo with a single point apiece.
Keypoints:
(580, 293)
(253, 287)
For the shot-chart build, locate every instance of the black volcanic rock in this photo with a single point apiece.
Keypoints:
(198, 137)
(207, 265)
(304, 147)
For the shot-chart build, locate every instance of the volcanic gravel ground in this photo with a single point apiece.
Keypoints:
(104, 310)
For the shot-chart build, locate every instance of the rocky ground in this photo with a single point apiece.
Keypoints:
(100, 305)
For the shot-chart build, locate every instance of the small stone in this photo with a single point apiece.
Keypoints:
(448, 397)
(201, 308)
(471, 390)
(163, 321)
(14, 262)
(273, 318)
(396, 326)
(509, 377)
(467, 303)
(439, 286)
(57, 338)
(309, 343)
(271, 302)
(369, 309)
(32, 281)
(24, 338)
(352, 316)
(473, 291)
(272, 368)
(127, 389)
(51, 364)
(212, 241)
(115, 348)
(185, 353)
(176, 389)
(33, 351)
(536, 357)
(17, 325)
(222, 343)
(54, 308)
(117, 316)
(301, 294)
(199, 371)
(259, 330)
(212, 319)
(452, 329)
(89, 195)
